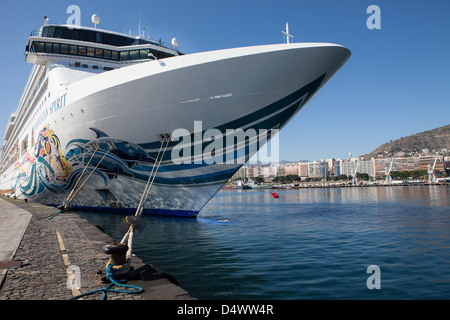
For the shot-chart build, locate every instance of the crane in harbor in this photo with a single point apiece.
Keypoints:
(431, 175)
(388, 172)
(354, 178)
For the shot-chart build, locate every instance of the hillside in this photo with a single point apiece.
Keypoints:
(433, 139)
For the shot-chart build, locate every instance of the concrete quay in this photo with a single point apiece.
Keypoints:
(40, 258)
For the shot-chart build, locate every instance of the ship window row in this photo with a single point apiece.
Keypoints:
(75, 50)
(86, 66)
(63, 32)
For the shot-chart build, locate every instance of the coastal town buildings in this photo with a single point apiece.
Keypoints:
(326, 169)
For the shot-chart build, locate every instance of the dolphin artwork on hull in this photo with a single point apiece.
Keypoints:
(113, 156)
(125, 150)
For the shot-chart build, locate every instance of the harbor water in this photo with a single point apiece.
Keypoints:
(306, 244)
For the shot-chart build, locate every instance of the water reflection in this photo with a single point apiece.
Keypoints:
(309, 243)
(414, 195)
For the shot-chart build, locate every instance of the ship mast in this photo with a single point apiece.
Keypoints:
(288, 35)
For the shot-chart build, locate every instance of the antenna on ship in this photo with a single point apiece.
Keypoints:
(139, 26)
(288, 35)
(45, 20)
(95, 20)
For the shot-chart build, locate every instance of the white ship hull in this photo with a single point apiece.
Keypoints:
(256, 87)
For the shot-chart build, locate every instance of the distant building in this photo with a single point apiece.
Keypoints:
(291, 169)
(447, 164)
(348, 166)
(318, 169)
(323, 169)
(337, 168)
(303, 170)
(382, 165)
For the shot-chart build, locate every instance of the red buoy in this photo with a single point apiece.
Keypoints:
(275, 195)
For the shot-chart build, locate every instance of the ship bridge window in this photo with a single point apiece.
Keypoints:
(124, 56)
(38, 46)
(56, 48)
(98, 53)
(64, 48)
(74, 50)
(66, 33)
(83, 35)
(48, 47)
(75, 34)
(143, 54)
(107, 54)
(99, 37)
(51, 32)
(90, 51)
(90, 36)
(134, 54)
(81, 51)
(58, 33)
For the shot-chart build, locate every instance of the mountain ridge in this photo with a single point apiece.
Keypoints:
(434, 139)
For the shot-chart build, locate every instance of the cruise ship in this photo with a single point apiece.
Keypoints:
(96, 123)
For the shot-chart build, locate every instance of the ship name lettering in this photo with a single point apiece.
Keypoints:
(58, 103)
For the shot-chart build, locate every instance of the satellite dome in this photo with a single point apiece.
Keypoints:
(95, 19)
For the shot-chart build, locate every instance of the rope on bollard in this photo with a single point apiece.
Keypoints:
(110, 274)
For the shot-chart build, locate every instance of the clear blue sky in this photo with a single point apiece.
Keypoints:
(396, 83)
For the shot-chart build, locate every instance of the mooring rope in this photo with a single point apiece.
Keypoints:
(81, 175)
(69, 199)
(128, 237)
(152, 176)
(110, 275)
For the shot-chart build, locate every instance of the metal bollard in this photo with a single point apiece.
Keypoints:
(118, 253)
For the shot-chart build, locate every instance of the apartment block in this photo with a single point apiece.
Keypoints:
(382, 165)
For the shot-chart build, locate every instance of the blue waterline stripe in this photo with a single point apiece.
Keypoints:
(162, 212)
